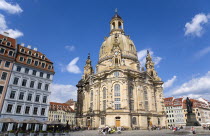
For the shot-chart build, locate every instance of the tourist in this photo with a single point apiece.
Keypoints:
(104, 131)
(193, 130)
(109, 130)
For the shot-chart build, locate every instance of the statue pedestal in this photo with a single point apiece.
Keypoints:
(191, 120)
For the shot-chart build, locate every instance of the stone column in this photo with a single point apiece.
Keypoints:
(116, 25)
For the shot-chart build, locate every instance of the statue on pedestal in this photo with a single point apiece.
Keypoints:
(189, 105)
(191, 117)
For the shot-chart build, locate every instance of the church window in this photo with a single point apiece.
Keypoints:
(146, 104)
(134, 120)
(113, 25)
(91, 95)
(116, 90)
(102, 120)
(117, 106)
(117, 103)
(131, 91)
(116, 74)
(116, 61)
(131, 47)
(104, 93)
(91, 106)
(104, 105)
(132, 105)
(120, 25)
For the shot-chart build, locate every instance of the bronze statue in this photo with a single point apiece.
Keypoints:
(189, 105)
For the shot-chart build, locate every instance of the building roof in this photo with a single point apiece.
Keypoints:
(54, 106)
(116, 16)
(34, 55)
(169, 98)
(6, 39)
(8, 46)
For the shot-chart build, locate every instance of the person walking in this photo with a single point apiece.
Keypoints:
(193, 130)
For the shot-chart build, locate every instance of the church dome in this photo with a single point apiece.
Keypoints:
(117, 37)
(126, 46)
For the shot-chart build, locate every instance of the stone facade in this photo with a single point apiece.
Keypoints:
(119, 93)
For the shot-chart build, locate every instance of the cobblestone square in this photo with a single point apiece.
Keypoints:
(139, 133)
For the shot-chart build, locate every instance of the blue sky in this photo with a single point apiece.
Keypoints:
(176, 32)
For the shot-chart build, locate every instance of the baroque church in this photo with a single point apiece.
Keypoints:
(118, 93)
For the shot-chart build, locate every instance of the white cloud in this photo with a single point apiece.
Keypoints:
(72, 67)
(169, 83)
(142, 54)
(8, 7)
(3, 24)
(196, 87)
(202, 52)
(4, 28)
(70, 48)
(195, 27)
(62, 93)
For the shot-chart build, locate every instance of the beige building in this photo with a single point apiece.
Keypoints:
(118, 93)
(61, 112)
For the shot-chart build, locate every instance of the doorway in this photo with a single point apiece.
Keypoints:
(117, 121)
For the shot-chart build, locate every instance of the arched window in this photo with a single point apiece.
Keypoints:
(146, 104)
(131, 47)
(104, 93)
(131, 91)
(91, 95)
(102, 120)
(119, 25)
(134, 120)
(113, 25)
(116, 90)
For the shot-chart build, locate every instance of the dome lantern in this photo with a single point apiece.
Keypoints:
(116, 24)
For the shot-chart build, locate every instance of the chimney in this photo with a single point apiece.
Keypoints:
(29, 46)
(6, 34)
(35, 49)
(22, 44)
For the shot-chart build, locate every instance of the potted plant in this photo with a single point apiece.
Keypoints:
(11, 133)
(20, 133)
(41, 133)
(57, 133)
(32, 133)
(50, 133)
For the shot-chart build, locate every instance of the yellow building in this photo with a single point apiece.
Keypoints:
(118, 93)
(61, 112)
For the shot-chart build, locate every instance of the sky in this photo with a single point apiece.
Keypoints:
(177, 33)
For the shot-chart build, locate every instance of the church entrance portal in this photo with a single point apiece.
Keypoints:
(117, 121)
